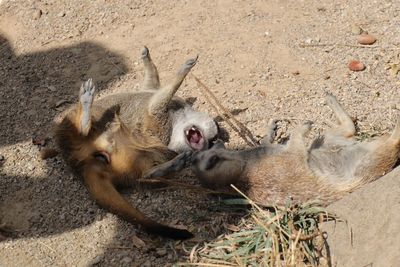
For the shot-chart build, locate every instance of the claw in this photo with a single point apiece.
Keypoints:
(189, 64)
(145, 52)
(87, 91)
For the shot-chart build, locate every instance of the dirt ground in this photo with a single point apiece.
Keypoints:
(267, 59)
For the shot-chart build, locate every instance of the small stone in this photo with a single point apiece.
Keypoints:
(146, 263)
(61, 14)
(37, 13)
(137, 242)
(366, 39)
(161, 252)
(126, 260)
(39, 140)
(355, 29)
(355, 65)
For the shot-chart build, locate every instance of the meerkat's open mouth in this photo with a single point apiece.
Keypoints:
(195, 138)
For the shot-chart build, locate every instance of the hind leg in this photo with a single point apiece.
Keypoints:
(83, 118)
(381, 158)
(395, 137)
(345, 126)
(160, 100)
(151, 79)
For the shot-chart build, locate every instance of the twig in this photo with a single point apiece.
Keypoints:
(182, 185)
(116, 247)
(342, 45)
(204, 264)
(242, 130)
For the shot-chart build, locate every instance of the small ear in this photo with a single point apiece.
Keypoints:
(218, 144)
(212, 161)
(190, 100)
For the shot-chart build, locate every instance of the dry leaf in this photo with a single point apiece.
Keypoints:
(233, 228)
(137, 242)
(39, 140)
(394, 69)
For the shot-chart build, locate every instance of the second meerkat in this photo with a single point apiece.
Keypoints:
(334, 165)
(112, 141)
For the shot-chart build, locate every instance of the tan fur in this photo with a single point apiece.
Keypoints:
(332, 167)
(112, 141)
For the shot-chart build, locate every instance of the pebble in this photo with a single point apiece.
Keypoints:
(355, 29)
(355, 65)
(61, 14)
(126, 260)
(366, 39)
(161, 252)
(37, 13)
(147, 263)
(39, 140)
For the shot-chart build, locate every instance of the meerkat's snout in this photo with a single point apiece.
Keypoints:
(192, 131)
(217, 163)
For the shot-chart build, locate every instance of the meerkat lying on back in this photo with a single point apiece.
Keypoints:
(332, 166)
(113, 140)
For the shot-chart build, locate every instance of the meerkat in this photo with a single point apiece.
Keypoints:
(271, 174)
(112, 141)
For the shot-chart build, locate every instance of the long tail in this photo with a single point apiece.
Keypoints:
(103, 191)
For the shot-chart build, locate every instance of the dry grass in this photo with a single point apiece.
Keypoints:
(277, 236)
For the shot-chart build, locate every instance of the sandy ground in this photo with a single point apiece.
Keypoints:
(269, 59)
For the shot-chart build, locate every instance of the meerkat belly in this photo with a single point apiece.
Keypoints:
(133, 111)
(276, 179)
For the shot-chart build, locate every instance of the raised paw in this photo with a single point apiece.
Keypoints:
(178, 163)
(189, 64)
(86, 99)
(272, 124)
(305, 127)
(87, 92)
(183, 160)
(145, 52)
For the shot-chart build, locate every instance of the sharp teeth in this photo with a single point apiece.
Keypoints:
(193, 129)
(187, 132)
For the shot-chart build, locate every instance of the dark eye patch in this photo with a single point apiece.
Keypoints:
(102, 157)
(212, 161)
